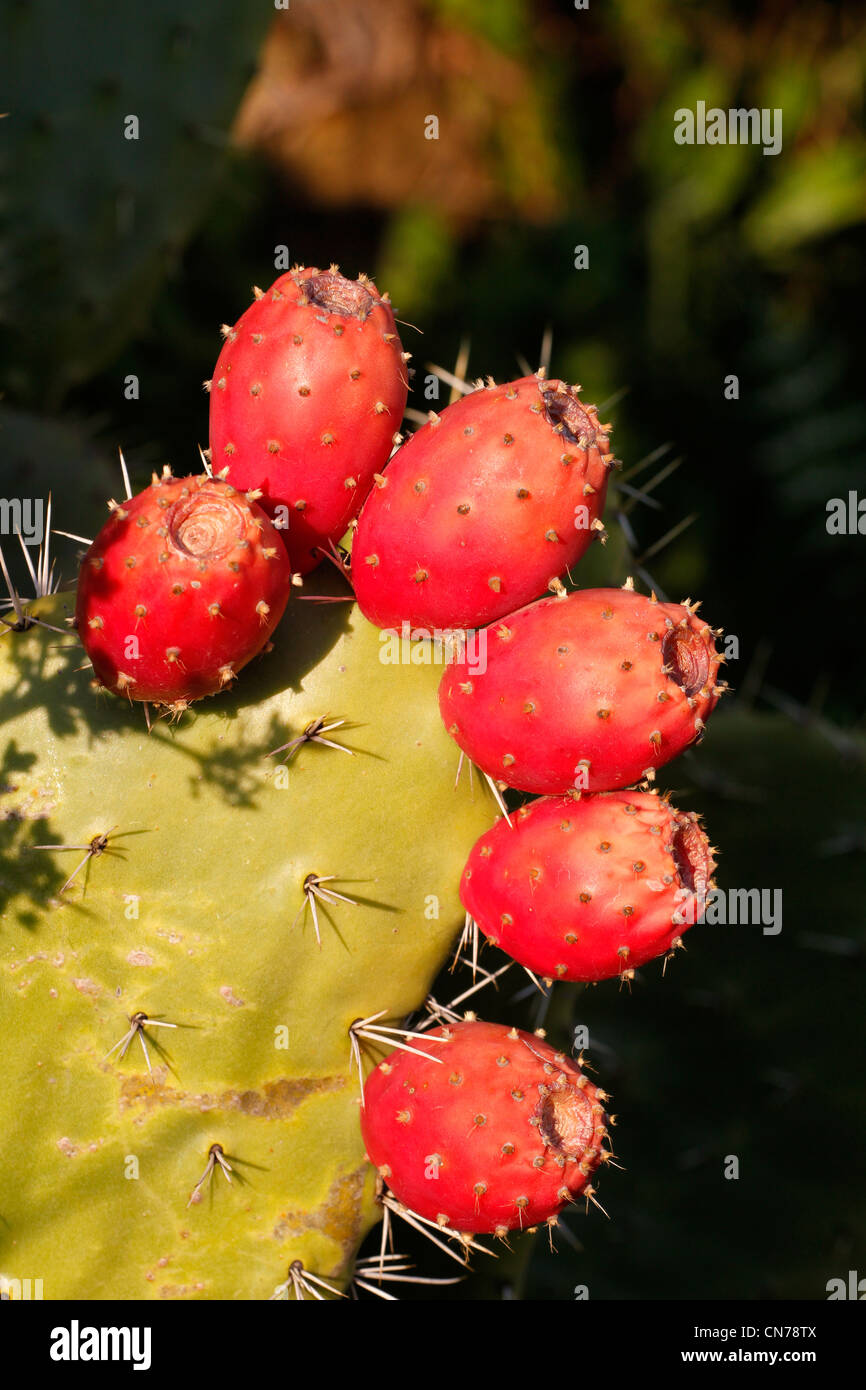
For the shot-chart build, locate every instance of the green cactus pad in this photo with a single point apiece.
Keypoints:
(188, 914)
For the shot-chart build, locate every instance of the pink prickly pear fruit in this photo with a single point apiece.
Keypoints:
(590, 691)
(306, 397)
(494, 1131)
(589, 888)
(482, 507)
(182, 587)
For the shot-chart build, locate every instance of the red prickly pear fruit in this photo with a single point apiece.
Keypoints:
(496, 1131)
(482, 508)
(182, 587)
(590, 888)
(589, 691)
(306, 397)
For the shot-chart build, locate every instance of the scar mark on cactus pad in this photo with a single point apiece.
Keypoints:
(340, 1216)
(90, 987)
(139, 958)
(276, 1100)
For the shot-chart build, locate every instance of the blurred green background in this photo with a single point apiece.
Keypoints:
(305, 128)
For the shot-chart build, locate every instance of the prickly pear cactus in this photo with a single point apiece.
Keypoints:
(118, 122)
(204, 1167)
